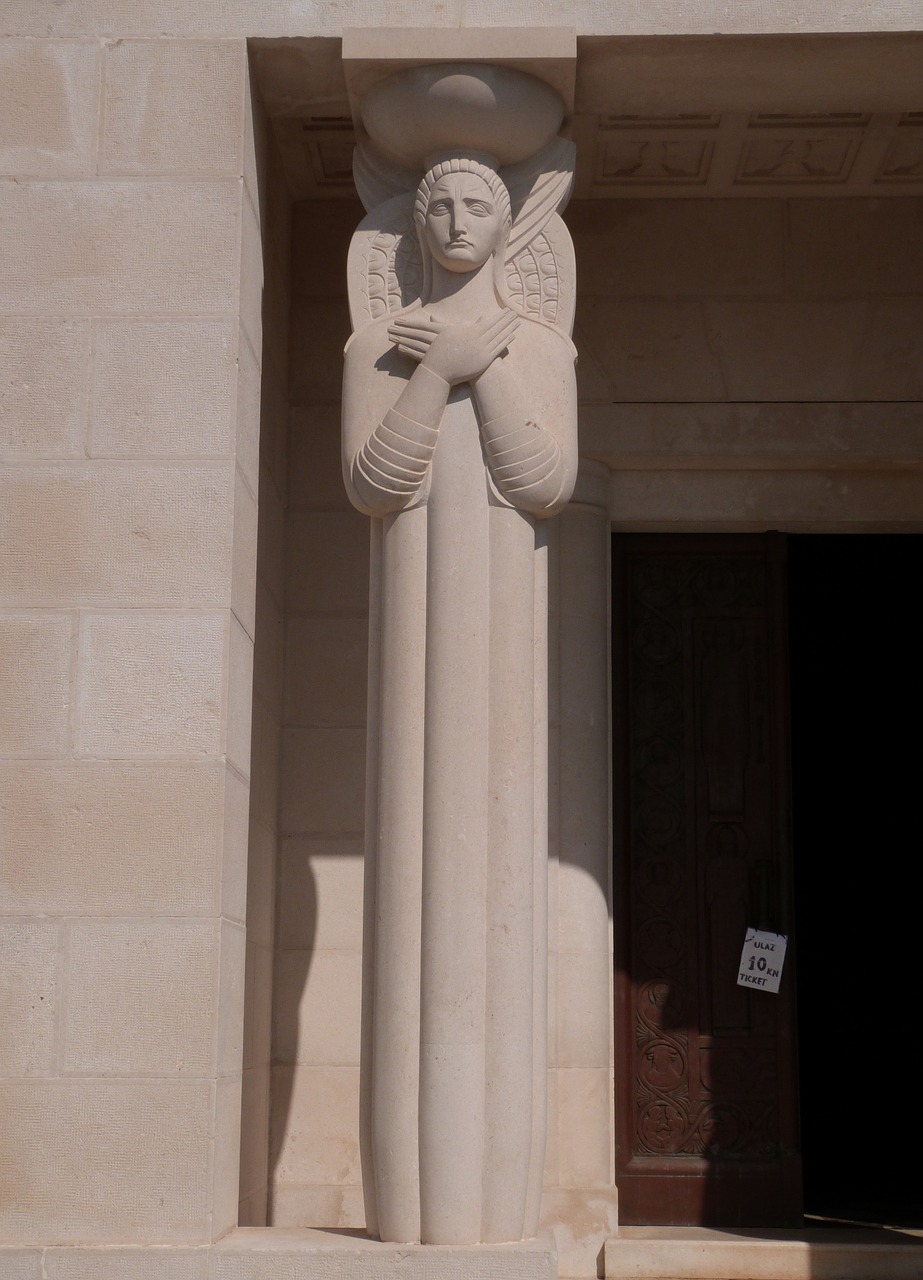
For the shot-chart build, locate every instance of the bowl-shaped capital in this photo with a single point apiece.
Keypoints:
(461, 106)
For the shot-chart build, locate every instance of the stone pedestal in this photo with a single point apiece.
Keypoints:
(321, 1255)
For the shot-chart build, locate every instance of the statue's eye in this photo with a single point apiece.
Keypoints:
(482, 210)
(439, 206)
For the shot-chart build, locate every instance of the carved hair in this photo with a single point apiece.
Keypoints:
(463, 164)
(497, 187)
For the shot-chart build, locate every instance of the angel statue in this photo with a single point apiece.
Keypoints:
(459, 439)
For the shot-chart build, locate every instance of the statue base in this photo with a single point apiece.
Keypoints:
(278, 1253)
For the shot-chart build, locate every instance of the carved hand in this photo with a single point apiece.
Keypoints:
(456, 352)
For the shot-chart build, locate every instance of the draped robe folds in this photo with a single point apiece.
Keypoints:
(454, 988)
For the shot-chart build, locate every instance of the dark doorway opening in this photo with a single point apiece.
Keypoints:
(706, 1083)
(856, 648)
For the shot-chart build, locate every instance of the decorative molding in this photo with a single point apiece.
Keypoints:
(689, 154)
(792, 158)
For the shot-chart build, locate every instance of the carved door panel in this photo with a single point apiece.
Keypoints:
(706, 1107)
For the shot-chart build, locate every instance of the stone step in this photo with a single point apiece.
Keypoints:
(699, 1253)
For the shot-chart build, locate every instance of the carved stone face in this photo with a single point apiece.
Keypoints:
(463, 224)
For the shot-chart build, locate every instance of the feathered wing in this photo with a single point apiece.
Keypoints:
(538, 187)
(540, 264)
(378, 179)
(540, 278)
(384, 272)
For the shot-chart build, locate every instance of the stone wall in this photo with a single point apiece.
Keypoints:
(129, 287)
(162, 19)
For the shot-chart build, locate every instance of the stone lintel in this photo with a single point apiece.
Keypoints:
(548, 53)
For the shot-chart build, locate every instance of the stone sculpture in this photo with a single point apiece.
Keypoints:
(459, 439)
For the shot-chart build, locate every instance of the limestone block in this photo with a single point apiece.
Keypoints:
(306, 1205)
(21, 1264)
(140, 997)
(261, 876)
(582, 907)
(258, 988)
(265, 759)
(252, 1210)
(255, 138)
(120, 246)
(249, 430)
(162, 388)
(327, 564)
(802, 501)
(849, 248)
(320, 330)
(272, 541)
(225, 1192)
(552, 1175)
(652, 350)
(320, 242)
(316, 1008)
(28, 996)
(323, 780)
(274, 415)
(43, 387)
(584, 1125)
(315, 470)
(266, 18)
(268, 670)
(151, 684)
(251, 273)
(581, 1220)
(326, 670)
(276, 285)
(125, 1264)
(890, 367)
(699, 1253)
(583, 1008)
(315, 1124)
(290, 1254)
(35, 683)
(279, 205)
(105, 837)
(552, 1000)
(244, 568)
(679, 248)
(173, 107)
(592, 383)
(116, 534)
(787, 350)
(48, 125)
(239, 698)
(747, 436)
(254, 1149)
(105, 1160)
(231, 979)
(234, 872)
(320, 894)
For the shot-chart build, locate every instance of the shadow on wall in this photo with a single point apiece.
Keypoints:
(314, 1174)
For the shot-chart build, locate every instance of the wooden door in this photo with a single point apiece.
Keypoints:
(706, 1106)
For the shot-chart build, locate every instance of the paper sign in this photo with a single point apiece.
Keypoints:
(761, 960)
